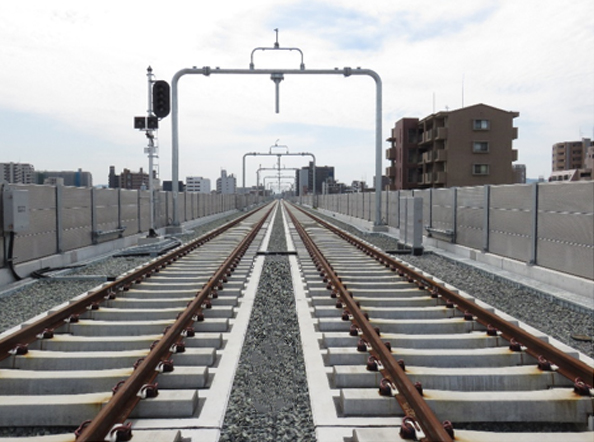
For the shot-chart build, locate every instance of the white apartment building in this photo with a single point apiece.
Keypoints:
(197, 184)
(21, 173)
(226, 184)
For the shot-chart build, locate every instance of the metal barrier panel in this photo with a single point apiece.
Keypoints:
(76, 218)
(566, 227)
(394, 208)
(160, 209)
(129, 211)
(510, 222)
(442, 211)
(470, 216)
(41, 238)
(106, 209)
(144, 213)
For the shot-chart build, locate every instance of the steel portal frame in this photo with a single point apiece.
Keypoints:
(207, 71)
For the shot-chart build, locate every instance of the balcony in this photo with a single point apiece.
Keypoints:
(428, 178)
(391, 153)
(514, 154)
(427, 136)
(440, 178)
(427, 157)
(390, 171)
(441, 155)
(442, 133)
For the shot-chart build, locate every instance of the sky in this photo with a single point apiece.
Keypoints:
(74, 74)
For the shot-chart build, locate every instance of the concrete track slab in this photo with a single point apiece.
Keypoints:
(392, 434)
(71, 410)
(516, 378)
(478, 339)
(91, 381)
(487, 357)
(152, 435)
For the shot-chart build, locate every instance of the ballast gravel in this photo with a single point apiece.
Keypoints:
(270, 397)
(38, 296)
(527, 304)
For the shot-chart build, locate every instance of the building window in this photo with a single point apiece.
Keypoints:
(480, 125)
(480, 169)
(480, 146)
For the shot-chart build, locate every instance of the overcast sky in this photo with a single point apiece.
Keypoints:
(73, 76)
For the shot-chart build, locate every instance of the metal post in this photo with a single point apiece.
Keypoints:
(534, 226)
(486, 212)
(59, 224)
(455, 214)
(94, 213)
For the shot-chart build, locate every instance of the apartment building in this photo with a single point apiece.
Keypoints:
(470, 146)
(226, 184)
(21, 173)
(305, 176)
(78, 178)
(197, 184)
(572, 160)
(131, 180)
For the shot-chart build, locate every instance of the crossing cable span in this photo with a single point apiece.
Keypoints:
(410, 400)
(570, 367)
(119, 407)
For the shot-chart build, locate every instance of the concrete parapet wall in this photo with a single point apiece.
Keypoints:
(549, 225)
(64, 220)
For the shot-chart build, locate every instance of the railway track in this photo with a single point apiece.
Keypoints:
(438, 354)
(173, 331)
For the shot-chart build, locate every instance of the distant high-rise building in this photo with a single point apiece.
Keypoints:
(471, 146)
(131, 180)
(305, 176)
(113, 179)
(226, 184)
(18, 173)
(519, 173)
(197, 184)
(573, 160)
(77, 178)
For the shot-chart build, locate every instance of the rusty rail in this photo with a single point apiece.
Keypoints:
(56, 319)
(117, 410)
(410, 400)
(569, 366)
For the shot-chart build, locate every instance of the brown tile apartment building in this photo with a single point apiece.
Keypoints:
(573, 160)
(471, 146)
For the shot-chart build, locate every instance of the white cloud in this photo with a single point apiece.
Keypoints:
(84, 65)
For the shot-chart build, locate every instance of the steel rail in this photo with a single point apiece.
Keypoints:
(32, 332)
(569, 366)
(119, 407)
(408, 396)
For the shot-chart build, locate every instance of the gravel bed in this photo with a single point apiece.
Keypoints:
(524, 303)
(270, 398)
(41, 295)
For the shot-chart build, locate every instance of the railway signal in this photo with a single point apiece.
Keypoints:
(161, 101)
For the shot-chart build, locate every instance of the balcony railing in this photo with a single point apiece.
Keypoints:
(441, 155)
(442, 133)
(391, 153)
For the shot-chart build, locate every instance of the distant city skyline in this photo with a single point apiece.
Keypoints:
(74, 77)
